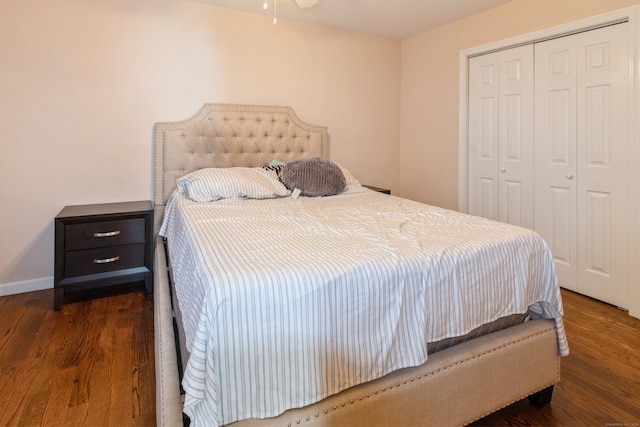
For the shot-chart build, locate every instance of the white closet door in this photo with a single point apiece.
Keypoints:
(555, 154)
(483, 135)
(582, 159)
(516, 152)
(501, 136)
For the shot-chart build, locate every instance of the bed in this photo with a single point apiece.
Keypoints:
(358, 308)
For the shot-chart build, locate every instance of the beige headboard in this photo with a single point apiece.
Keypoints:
(226, 135)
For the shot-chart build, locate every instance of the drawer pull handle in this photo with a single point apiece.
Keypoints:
(107, 234)
(106, 260)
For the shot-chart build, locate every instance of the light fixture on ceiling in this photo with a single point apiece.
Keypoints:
(306, 3)
(265, 6)
(302, 4)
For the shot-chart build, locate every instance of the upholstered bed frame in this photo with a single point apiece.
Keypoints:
(455, 387)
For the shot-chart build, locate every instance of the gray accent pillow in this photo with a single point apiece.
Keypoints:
(313, 177)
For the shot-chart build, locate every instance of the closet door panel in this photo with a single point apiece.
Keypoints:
(501, 136)
(598, 233)
(603, 163)
(516, 136)
(486, 202)
(483, 136)
(555, 154)
(582, 157)
(561, 135)
(511, 203)
(561, 236)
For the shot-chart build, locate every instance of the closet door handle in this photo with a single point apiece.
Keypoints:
(569, 176)
(503, 170)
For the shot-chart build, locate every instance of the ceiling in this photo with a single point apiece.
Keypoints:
(387, 18)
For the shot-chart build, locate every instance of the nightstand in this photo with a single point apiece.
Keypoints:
(102, 245)
(378, 189)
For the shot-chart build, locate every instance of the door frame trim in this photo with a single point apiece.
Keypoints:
(632, 16)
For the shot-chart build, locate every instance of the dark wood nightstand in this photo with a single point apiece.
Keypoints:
(102, 245)
(378, 189)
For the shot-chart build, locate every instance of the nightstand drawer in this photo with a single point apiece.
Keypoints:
(101, 260)
(104, 233)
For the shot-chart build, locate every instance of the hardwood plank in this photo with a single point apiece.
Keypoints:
(47, 358)
(143, 371)
(102, 380)
(18, 362)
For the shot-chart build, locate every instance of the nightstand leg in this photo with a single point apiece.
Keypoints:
(58, 298)
(148, 283)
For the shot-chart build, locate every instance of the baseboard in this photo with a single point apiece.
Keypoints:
(13, 288)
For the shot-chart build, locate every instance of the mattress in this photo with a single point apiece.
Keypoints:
(288, 300)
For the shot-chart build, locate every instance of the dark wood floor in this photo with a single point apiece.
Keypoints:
(91, 364)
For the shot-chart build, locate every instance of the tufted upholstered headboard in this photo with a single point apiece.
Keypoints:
(226, 135)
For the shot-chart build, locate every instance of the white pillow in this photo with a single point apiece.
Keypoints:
(350, 179)
(210, 184)
(353, 185)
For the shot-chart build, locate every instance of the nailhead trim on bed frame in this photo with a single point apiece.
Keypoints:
(450, 365)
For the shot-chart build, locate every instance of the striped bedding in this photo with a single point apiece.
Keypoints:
(286, 301)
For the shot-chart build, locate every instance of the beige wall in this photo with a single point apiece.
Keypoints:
(83, 82)
(430, 78)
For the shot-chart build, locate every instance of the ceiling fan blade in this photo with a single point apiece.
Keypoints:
(306, 3)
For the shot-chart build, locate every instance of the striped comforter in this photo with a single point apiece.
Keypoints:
(286, 301)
